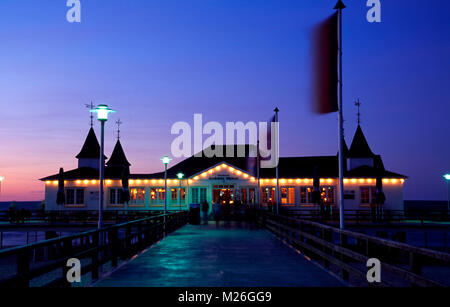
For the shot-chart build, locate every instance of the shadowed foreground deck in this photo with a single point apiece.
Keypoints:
(230, 254)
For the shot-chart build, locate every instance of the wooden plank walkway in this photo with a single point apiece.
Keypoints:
(229, 254)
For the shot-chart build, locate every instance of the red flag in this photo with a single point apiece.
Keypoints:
(326, 66)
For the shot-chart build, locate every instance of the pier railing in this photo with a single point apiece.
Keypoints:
(346, 253)
(75, 216)
(368, 216)
(45, 263)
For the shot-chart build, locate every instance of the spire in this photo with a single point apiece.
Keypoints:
(118, 157)
(358, 105)
(360, 148)
(91, 106)
(118, 128)
(91, 147)
(339, 5)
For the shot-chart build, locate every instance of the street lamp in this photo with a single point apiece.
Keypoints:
(102, 111)
(180, 176)
(165, 160)
(447, 178)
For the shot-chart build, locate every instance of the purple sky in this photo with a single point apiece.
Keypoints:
(159, 62)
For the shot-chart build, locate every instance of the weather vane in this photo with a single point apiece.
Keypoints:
(91, 106)
(118, 128)
(358, 104)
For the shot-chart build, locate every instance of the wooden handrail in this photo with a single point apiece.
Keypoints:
(317, 239)
(102, 245)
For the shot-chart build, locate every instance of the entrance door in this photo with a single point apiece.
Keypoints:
(225, 193)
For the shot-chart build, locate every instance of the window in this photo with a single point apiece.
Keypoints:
(174, 193)
(284, 197)
(137, 196)
(251, 196)
(115, 196)
(75, 196)
(291, 194)
(306, 195)
(202, 195)
(327, 195)
(153, 194)
(162, 194)
(183, 194)
(244, 195)
(367, 195)
(268, 195)
(287, 196)
(195, 199)
(198, 195)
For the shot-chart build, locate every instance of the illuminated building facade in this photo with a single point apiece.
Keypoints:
(207, 179)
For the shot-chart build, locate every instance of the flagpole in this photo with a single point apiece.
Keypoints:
(339, 6)
(277, 156)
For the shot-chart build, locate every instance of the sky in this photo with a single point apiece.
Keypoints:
(157, 62)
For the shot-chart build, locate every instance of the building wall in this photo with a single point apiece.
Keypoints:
(392, 189)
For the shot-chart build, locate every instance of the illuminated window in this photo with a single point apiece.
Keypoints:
(183, 193)
(268, 195)
(161, 194)
(291, 195)
(137, 196)
(75, 196)
(284, 196)
(153, 194)
(244, 195)
(306, 195)
(327, 194)
(174, 193)
(251, 196)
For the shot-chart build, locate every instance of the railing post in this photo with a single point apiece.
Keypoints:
(67, 250)
(95, 266)
(415, 264)
(345, 275)
(23, 268)
(128, 250)
(114, 235)
(324, 248)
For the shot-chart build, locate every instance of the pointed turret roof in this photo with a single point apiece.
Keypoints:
(118, 157)
(360, 148)
(91, 147)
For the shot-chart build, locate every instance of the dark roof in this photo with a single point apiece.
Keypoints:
(91, 147)
(194, 165)
(290, 167)
(118, 157)
(368, 171)
(360, 148)
(87, 173)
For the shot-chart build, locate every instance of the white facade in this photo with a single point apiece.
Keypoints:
(148, 194)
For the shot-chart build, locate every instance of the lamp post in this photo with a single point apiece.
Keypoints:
(180, 176)
(166, 161)
(447, 178)
(102, 111)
